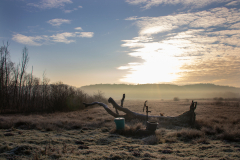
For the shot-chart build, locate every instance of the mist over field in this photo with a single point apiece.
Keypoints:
(163, 91)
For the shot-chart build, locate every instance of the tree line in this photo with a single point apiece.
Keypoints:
(22, 92)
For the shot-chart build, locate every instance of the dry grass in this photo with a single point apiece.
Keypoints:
(129, 130)
(91, 134)
(57, 121)
(151, 140)
(224, 123)
(189, 134)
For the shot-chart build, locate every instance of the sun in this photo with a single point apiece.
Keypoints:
(157, 68)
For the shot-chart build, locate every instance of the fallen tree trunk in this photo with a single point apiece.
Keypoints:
(187, 117)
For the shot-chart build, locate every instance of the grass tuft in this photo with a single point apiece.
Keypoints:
(151, 140)
(230, 135)
(189, 134)
(128, 130)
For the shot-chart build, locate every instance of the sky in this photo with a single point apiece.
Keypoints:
(84, 42)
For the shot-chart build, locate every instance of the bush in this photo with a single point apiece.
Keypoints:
(189, 134)
(151, 140)
(230, 135)
(129, 130)
(175, 99)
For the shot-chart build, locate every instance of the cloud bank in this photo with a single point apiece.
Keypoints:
(48, 4)
(147, 4)
(65, 37)
(186, 48)
(58, 22)
(78, 28)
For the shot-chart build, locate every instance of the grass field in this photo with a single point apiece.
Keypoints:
(91, 134)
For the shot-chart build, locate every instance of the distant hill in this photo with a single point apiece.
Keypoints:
(163, 91)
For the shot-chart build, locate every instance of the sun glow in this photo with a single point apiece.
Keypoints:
(157, 68)
(161, 60)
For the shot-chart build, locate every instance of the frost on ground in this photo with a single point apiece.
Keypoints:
(91, 134)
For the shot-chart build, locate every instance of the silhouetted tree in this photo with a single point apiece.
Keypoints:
(22, 92)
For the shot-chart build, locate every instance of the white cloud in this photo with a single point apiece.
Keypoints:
(192, 3)
(28, 40)
(78, 28)
(222, 71)
(233, 3)
(58, 22)
(86, 34)
(215, 17)
(132, 18)
(65, 37)
(154, 25)
(69, 11)
(136, 42)
(236, 25)
(136, 2)
(228, 37)
(47, 4)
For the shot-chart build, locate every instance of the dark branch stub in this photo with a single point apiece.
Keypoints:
(193, 106)
(122, 100)
(121, 103)
(144, 106)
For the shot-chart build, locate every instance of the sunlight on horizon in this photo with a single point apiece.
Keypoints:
(162, 60)
(157, 68)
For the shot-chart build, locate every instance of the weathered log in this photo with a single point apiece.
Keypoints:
(187, 117)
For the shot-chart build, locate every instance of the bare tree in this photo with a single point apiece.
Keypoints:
(45, 90)
(24, 63)
(6, 68)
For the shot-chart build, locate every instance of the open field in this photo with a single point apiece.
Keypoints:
(91, 134)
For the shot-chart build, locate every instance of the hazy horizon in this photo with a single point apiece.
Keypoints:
(126, 42)
(156, 84)
(163, 91)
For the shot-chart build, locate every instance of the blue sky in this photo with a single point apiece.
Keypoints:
(83, 42)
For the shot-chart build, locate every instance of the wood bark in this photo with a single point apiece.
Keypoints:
(187, 117)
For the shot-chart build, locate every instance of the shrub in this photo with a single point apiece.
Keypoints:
(129, 130)
(151, 140)
(170, 140)
(189, 134)
(208, 130)
(230, 135)
(175, 99)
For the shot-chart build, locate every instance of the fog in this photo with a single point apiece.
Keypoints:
(163, 91)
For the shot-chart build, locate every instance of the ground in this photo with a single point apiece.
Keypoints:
(91, 134)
